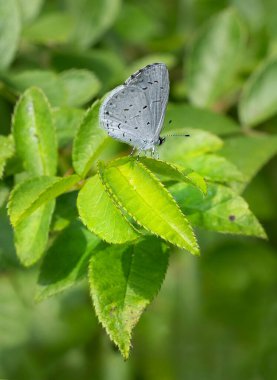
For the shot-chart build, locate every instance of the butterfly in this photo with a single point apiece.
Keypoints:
(134, 112)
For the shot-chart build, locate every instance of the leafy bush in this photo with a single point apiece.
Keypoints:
(79, 206)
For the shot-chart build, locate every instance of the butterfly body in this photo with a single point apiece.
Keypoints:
(134, 112)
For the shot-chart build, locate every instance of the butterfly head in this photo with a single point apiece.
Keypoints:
(161, 140)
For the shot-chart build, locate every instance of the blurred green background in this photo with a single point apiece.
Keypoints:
(216, 315)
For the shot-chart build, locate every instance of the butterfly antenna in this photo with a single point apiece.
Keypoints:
(177, 135)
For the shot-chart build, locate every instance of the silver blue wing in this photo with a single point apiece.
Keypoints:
(154, 82)
(126, 115)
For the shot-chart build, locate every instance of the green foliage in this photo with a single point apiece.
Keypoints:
(187, 116)
(88, 142)
(71, 88)
(221, 210)
(259, 98)
(31, 234)
(10, 31)
(84, 214)
(50, 28)
(34, 133)
(66, 120)
(166, 171)
(6, 151)
(29, 9)
(123, 281)
(250, 153)
(214, 59)
(32, 193)
(143, 197)
(66, 261)
(91, 19)
(101, 216)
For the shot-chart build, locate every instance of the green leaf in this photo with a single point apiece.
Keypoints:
(29, 9)
(15, 315)
(145, 199)
(177, 149)
(5, 112)
(215, 168)
(66, 121)
(166, 58)
(129, 26)
(123, 281)
(52, 28)
(214, 58)
(34, 133)
(35, 142)
(10, 31)
(91, 19)
(6, 147)
(253, 12)
(65, 211)
(27, 196)
(69, 88)
(166, 171)
(66, 261)
(4, 193)
(101, 216)
(197, 180)
(108, 66)
(88, 141)
(259, 98)
(222, 210)
(185, 117)
(249, 153)
(80, 86)
(48, 81)
(31, 234)
(6, 151)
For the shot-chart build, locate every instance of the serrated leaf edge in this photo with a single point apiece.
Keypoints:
(125, 353)
(109, 190)
(120, 211)
(18, 103)
(33, 179)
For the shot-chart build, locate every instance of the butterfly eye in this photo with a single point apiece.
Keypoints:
(161, 140)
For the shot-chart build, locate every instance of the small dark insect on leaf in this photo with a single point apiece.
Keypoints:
(232, 218)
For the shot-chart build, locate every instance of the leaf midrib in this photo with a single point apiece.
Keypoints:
(38, 139)
(159, 215)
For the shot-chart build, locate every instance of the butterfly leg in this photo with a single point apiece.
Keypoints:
(139, 152)
(133, 151)
(154, 153)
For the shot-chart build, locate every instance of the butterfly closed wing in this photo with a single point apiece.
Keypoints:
(134, 112)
